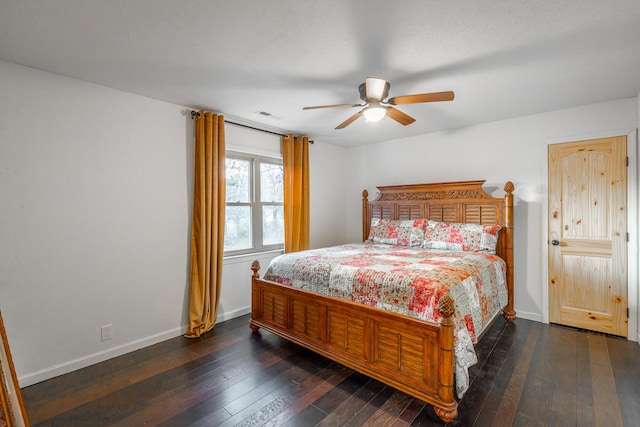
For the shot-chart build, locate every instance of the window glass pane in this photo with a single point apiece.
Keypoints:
(237, 231)
(238, 174)
(271, 189)
(272, 225)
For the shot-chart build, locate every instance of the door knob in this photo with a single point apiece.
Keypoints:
(555, 242)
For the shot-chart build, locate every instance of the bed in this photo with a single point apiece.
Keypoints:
(411, 349)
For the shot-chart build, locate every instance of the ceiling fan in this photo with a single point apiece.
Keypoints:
(373, 92)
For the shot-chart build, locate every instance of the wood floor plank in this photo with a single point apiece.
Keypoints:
(428, 418)
(310, 390)
(484, 347)
(605, 401)
(297, 372)
(552, 369)
(259, 411)
(565, 374)
(563, 410)
(509, 405)
(473, 401)
(535, 399)
(563, 358)
(88, 376)
(411, 411)
(308, 417)
(228, 394)
(121, 374)
(522, 420)
(528, 374)
(180, 398)
(630, 407)
(362, 417)
(390, 410)
(273, 397)
(584, 391)
(503, 361)
(352, 405)
(334, 397)
(136, 397)
(625, 361)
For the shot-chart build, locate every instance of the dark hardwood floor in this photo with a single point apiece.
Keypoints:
(529, 374)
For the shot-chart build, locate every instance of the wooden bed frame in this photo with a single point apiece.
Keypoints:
(409, 354)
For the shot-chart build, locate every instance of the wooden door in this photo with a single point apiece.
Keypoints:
(588, 234)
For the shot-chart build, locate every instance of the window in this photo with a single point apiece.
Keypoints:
(254, 219)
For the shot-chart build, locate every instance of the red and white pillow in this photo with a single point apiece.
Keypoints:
(461, 237)
(405, 232)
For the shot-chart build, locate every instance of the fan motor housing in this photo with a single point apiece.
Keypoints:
(363, 92)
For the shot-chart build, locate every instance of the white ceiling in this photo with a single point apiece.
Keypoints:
(502, 58)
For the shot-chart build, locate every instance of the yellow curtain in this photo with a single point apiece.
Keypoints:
(295, 160)
(207, 229)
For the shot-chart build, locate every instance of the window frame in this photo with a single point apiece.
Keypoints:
(255, 203)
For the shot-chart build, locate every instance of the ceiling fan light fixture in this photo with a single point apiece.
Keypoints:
(374, 113)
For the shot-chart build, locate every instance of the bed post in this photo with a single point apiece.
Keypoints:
(255, 295)
(509, 311)
(449, 410)
(365, 215)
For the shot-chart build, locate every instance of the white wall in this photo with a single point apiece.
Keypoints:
(96, 192)
(328, 176)
(509, 150)
(94, 220)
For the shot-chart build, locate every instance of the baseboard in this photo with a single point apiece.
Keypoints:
(233, 314)
(83, 362)
(536, 317)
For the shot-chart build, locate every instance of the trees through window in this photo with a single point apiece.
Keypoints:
(254, 219)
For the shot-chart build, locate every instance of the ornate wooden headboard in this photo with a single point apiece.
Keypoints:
(461, 201)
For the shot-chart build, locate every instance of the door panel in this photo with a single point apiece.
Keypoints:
(587, 234)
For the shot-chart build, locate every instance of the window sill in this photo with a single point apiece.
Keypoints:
(233, 259)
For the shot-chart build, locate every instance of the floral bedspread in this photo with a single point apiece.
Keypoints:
(406, 280)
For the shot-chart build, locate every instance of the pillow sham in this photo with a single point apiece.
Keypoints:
(403, 232)
(457, 236)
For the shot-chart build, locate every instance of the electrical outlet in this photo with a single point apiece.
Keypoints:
(106, 332)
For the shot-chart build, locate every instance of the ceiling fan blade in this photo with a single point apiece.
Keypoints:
(399, 116)
(350, 120)
(332, 106)
(421, 97)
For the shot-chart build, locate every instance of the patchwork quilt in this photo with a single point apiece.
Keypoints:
(406, 280)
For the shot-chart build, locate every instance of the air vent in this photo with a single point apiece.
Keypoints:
(267, 114)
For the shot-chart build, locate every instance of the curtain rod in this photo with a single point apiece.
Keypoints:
(197, 113)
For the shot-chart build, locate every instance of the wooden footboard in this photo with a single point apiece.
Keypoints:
(406, 353)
